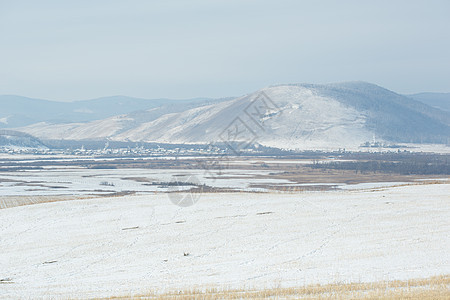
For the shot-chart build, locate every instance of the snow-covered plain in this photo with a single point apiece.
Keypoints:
(133, 244)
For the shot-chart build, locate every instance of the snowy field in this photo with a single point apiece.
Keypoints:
(79, 181)
(64, 181)
(133, 244)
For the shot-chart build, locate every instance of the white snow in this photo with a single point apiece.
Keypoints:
(79, 248)
(78, 131)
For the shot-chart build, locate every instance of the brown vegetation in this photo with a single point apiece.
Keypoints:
(429, 288)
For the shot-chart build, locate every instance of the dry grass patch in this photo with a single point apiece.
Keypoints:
(13, 201)
(430, 288)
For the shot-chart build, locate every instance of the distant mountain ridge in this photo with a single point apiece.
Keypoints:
(18, 111)
(437, 100)
(302, 116)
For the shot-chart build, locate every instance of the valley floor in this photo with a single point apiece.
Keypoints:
(143, 244)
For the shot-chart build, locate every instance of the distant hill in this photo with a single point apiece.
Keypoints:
(18, 111)
(16, 139)
(304, 116)
(438, 100)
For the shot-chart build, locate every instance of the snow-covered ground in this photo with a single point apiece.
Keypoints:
(133, 244)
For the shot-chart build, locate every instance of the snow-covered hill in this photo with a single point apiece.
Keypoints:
(306, 116)
(10, 139)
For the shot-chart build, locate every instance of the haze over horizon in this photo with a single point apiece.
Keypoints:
(173, 49)
(111, 97)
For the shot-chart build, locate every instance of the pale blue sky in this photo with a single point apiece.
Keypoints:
(66, 50)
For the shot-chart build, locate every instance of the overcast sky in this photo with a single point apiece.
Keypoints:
(68, 50)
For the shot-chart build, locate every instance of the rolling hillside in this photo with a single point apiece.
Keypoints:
(286, 116)
(20, 111)
(14, 140)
